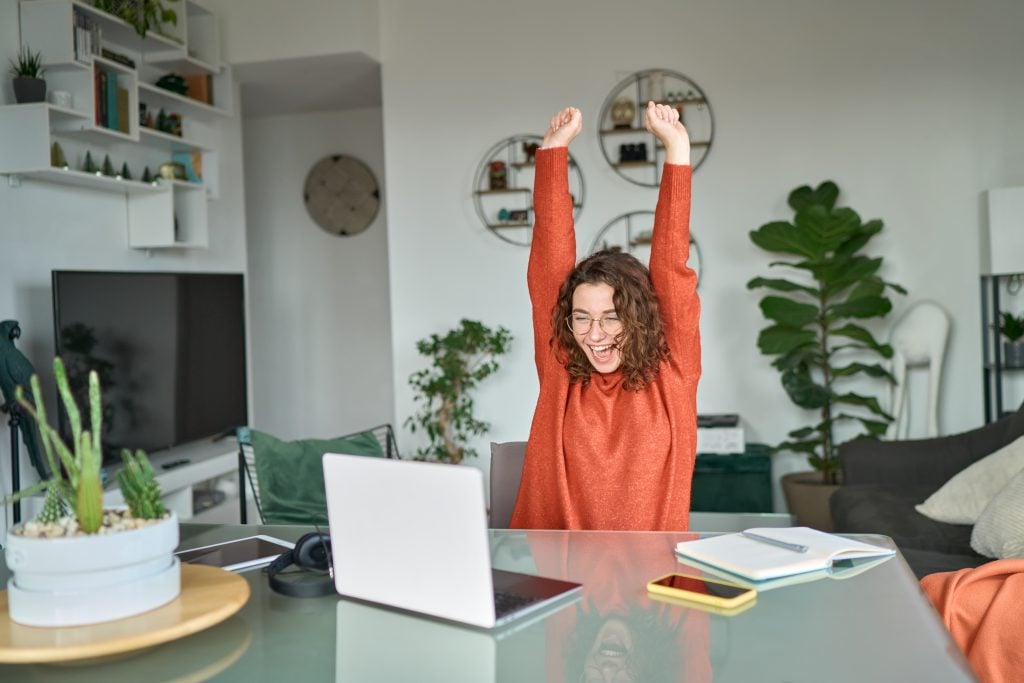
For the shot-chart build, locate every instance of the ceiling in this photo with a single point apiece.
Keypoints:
(308, 84)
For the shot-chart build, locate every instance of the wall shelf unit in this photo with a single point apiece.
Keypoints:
(631, 232)
(621, 132)
(994, 370)
(509, 164)
(110, 73)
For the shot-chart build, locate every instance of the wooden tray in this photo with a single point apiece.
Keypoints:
(209, 595)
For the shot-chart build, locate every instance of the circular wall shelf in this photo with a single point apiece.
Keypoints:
(631, 232)
(502, 189)
(629, 149)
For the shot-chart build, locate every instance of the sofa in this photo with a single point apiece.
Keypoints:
(884, 480)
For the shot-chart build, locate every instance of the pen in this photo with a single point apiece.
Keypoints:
(795, 547)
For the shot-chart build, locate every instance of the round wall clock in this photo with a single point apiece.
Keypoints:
(341, 195)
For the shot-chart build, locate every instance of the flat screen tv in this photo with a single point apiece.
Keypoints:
(169, 349)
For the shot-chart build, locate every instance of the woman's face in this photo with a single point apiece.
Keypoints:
(596, 326)
(608, 660)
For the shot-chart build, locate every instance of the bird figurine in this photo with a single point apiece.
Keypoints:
(16, 369)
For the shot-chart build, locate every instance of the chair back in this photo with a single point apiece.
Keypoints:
(506, 472)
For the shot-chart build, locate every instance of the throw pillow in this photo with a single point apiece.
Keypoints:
(962, 498)
(290, 474)
(999, 532)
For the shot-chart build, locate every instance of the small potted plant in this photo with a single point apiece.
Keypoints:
(462, 358)
(1013, 346)
(27, 71)
(78, 562)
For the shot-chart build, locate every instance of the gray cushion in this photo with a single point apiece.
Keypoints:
(873, 509)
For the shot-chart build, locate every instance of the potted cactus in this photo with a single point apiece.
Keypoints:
(78, 562)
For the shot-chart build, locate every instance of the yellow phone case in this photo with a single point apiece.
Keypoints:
(719, 601)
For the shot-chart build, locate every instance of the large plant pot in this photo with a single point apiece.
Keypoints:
(29, 90)
(89, 579)
(807, 499)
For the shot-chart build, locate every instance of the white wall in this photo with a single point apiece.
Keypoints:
(320, 315)
(912, 107)
(261, 30)
(45, 227)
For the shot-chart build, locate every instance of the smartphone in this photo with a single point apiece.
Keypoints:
(701, 590)
(237, 555)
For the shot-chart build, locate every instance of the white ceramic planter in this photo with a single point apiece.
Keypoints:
(89, 579)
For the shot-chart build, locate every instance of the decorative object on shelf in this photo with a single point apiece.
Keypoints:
(28, 82)
(62, 98)
(633, 151)
(174, 124)
(172, 170)
(619, 123)
(57, 158)
(192, 163)
(812, 318)
(460, 360)
(89, 166)
(143, 15)
(503, 187)
(632, 232)
(173, 82)
(78, 563)
(161, 121)
(530, 151)
(117, 57)
(996, 371)
(126, 174)
(498, 176)
(1012, 328)
(147, 177)
(341, 195)
(108, 166)
(623, 112)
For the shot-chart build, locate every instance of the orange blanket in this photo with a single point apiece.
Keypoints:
(981, 607)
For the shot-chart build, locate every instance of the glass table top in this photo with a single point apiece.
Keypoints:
(875, 625)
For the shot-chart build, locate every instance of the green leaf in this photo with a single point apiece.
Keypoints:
(781, 285)
(861, 308)
(803, 390)
(858, 333)
(779, 339)
(825, 194)
(787, 312)
(860, 238)
(780, 236)
(856, 368)
(869, 402)
(838, 274)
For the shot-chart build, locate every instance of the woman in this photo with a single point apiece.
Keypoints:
(617, 349)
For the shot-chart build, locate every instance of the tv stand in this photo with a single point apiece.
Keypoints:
(179, 469)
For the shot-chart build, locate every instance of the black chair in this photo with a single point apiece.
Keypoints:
(884, 480)
(384, 434)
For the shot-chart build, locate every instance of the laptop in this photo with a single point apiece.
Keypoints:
(413, 535)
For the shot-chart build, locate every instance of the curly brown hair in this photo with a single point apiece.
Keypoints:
(642, 344)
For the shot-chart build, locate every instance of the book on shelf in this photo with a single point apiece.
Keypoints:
(200, 87)
(769, 553)
(110, 94)
(122, 109)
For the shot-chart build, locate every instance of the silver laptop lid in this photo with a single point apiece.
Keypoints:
(411, 535)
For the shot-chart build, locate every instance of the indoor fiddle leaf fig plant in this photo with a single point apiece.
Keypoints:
(460, 360)
(814, 313)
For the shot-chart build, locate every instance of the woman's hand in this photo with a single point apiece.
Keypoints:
(663, 121)
(565, 125)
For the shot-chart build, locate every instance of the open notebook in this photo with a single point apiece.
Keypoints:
(771, 553)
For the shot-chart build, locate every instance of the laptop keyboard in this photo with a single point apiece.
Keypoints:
(506, 602)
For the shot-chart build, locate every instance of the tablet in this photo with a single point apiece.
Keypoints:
(238, 555)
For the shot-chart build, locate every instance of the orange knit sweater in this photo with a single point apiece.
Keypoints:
(599, 456)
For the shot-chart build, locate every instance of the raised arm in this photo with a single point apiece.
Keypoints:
(553, 248)
(674, 281)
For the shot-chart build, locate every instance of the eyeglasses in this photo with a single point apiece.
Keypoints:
(581, 323)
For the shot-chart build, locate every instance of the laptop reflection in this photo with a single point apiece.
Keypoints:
(377, 644)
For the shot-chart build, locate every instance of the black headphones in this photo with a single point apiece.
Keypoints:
(312, 552)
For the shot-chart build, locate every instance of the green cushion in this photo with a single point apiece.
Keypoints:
(290, 474)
